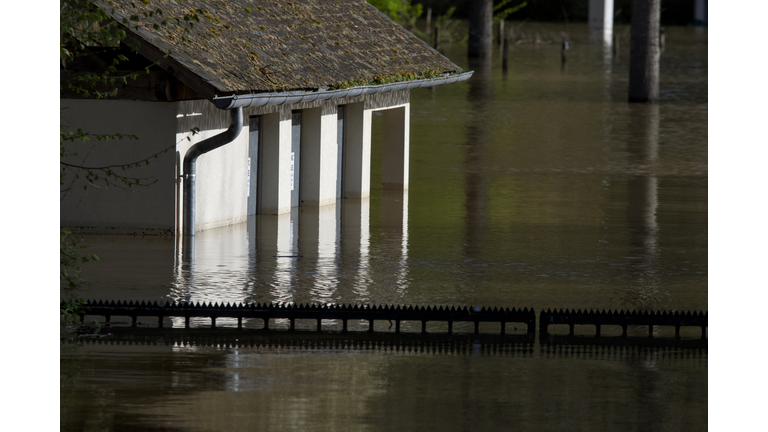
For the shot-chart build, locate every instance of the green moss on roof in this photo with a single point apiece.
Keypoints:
(388, 79)
(236, 45)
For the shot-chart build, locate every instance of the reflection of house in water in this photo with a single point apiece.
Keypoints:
(294, 84)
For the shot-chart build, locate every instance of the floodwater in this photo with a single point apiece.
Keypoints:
(539, 187)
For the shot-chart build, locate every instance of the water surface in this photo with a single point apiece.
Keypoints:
(541, 187)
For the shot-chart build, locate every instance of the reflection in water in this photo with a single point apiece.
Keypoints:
(357, 384)
(355, 245)
(642, 202)
(602, 37)
(300, 258)
(394, 231)
(317, 268)
(608, 70)
(476, 193)
(277, 245)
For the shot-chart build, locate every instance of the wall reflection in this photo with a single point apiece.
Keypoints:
(318, 269)
(314, 255)
(277, 250)
(354, 246)
(394, 229)
(475, 158)
(210, 261)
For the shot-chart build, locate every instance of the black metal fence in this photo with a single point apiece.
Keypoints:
(396, 314)
(393, 313)
(624, 319)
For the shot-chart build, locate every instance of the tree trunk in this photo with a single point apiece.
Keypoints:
(644, 52)
(480, 29)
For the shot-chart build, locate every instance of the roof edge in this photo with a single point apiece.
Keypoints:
(281, 98)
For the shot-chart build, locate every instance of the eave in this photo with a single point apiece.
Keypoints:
(291, 97)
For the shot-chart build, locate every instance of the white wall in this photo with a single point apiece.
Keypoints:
(221, 173)
(112, 210)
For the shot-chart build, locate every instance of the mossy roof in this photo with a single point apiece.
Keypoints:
(251, 46)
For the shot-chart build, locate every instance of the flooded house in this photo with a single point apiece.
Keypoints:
(248, 107)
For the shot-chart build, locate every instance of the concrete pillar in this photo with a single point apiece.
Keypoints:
(480, 42)
(601, 21)
(318, 158)
(252, 173)
(644, 52)
(357, 172)
(701, 12)
(340, 138)
(394, 169)
(276, 164)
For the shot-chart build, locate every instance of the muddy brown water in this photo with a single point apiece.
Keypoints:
(536, 188)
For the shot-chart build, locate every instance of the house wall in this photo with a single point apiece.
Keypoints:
(222, 173)
(319, 148)
(222, 195)
(120, 210)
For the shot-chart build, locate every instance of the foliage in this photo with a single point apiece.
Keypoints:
(448, 27)
(106, 174)
(83, 27)
(69, 275)
(500, 14)
(79, 28)
(401, 11)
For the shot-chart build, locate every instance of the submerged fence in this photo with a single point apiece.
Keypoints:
(395, 314)
(624, 319)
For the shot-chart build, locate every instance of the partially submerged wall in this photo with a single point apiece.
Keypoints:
(119, 209)
(222, 174)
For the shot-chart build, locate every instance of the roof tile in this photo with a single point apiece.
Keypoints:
(247, 46)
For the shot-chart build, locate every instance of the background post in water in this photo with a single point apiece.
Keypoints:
(644, 52)
(480, 29)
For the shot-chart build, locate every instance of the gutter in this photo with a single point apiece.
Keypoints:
(291, 97)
